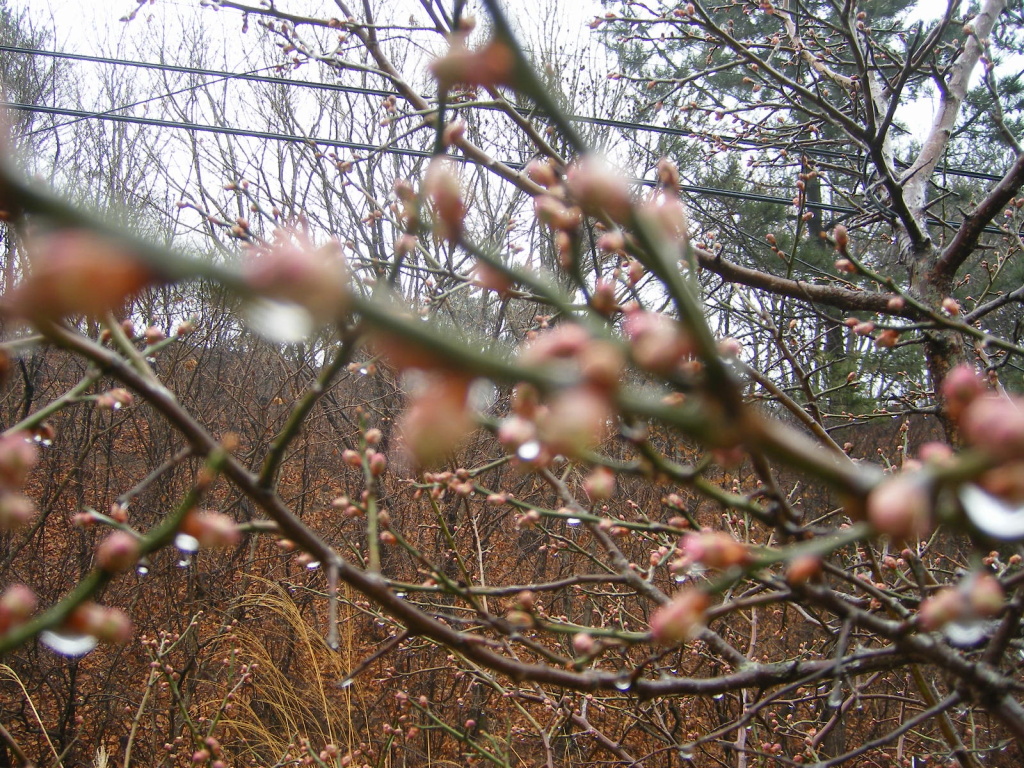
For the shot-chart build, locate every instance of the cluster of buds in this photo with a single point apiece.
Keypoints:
(979, 596)
(114, 399)
(293, 270)
(376, 461)
(18, 454)
(108, 625)
(575, 418)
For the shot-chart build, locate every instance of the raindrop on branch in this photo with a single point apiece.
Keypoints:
(68, 644)
(280, 322)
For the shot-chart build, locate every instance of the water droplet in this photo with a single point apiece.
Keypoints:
(185, 562)
(990, 515)
(363, 371)
(573, 521)
(142, 570)
(718, 696)
(313, 565)
(679, 577)
(400, 595)
(281, 322)
(46, 442)
(835, 699)
(964, 634)
(68, 643)
(685, 753)
(529, 451)
(346, 683)
(116, 406)
(186, 543)
(624, 683)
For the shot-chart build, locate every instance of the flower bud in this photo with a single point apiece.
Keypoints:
(108, 625)
(681, 619)
(492, 65)
(17, 604)
(18, 454)
(985, 595)
(441, 186)
(803, 568)
(961, 387)
(118, 552)
(995, 424)
(576, 421)
(946, 605)
(715, 549)
(900, 507)
(77, 272)
(599, 484)
(15, 511)
(841, 237)
(211, 529)
(599, 191)
(583, 643)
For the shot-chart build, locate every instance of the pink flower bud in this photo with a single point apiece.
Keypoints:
(378, 463)
(492, 65)
(599, 484)
(657, 343)
(76, 272)
(18, 454)
(542, 172)
(15, 511)
(668, 173)
(108, 625)
(841, 237)
(900, 507)
(118, 552)
(887, 338)
(583, 643)
(961, 387)
(17, 604)
(985, 595)
(942, 607)
(682, 619)
(995, 424)
(715, 549)
(803, 568)
(437, 420)
(599, 191)
(576, 421)
(211, 529)
(441, 186)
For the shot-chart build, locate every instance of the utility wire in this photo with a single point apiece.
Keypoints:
(417, 153)
(603, 122)
(378, 149)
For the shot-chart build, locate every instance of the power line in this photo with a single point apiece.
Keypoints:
(418, 153)
(378, 149)
(337, 87)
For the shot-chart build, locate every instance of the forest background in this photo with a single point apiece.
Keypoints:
(425, 385)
